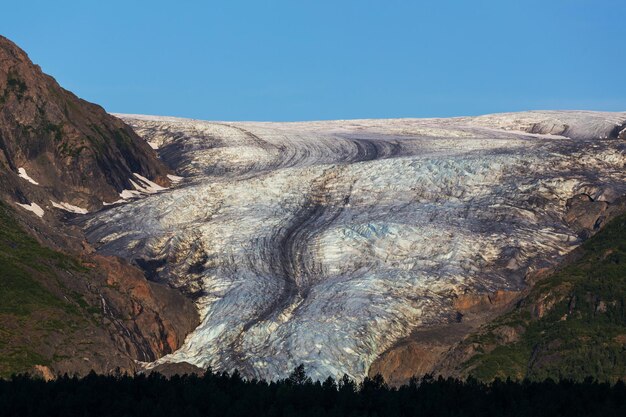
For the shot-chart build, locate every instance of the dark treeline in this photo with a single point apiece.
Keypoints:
(224, 395)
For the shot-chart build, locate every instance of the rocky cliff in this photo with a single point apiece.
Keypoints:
(59, 152)
(73, 312)
(62, 307)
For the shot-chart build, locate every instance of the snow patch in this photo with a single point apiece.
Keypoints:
(69, 207)
(174, 178)
(142, 186)
(127, 194)
(34, 207)
(23, 174)
(147, 185)
(104, 203)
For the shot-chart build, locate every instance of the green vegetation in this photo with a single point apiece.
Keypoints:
(571, 325)
(14, 84)
(31, 307)
(100, 139)
(69, 150)
(56, 130)
(20, 254)
(122, 139)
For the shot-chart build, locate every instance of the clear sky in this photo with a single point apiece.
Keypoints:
(306, 60)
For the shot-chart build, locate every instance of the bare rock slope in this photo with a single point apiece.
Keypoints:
(58, 152)
(329, 243)
(62, 308)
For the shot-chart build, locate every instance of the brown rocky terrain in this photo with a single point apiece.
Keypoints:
(448, 349)
(75, 312)
(72, 149)
(62, 307)
(569, 324)
(178, 368)
(424, 349)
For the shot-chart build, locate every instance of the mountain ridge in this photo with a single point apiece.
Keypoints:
(59, 148)
(63, 307)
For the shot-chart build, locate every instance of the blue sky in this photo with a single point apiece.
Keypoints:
(308, 60)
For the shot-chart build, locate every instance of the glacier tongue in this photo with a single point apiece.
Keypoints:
(323, 243)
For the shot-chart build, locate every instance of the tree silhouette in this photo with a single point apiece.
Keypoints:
(298, 376)
(230, 395)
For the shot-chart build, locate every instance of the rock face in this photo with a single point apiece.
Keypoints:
(58, 151)
(585, 214)
(131, 320)
(328, 243)
(62, 308)
(150, 320)
(73, 312)
(568, 325)
(423, 351)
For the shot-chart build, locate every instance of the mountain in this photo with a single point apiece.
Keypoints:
(487, 246)
(59, 148)
(64, 308)
(338, 244)
(69, 312)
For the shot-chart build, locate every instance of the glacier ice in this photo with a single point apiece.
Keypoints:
(323, 243)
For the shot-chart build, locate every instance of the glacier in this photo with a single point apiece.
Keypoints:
(323, 243)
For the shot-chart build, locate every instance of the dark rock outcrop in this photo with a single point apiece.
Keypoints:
(584, 214)
(178, 368)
